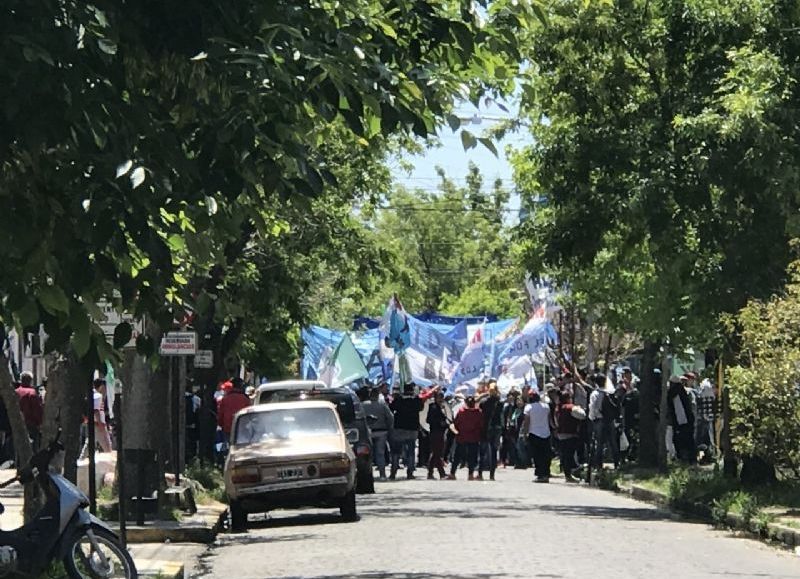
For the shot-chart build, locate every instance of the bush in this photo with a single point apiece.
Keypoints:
(721, 507)
(686, 486)
(763, 387)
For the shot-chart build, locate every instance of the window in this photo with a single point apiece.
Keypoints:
(285, 425)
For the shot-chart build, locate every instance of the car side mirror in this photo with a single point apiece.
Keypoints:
(353, 435)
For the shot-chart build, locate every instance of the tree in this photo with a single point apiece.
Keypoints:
(664, 154)
(449, 247)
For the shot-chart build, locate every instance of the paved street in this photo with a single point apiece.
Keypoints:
(487, 530)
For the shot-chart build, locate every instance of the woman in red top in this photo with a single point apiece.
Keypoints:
(567, 429)
(468, 425)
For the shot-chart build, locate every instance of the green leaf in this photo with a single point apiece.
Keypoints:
(28, 315)
(454, 122)
(53, 299)
(468, 140)
(122, 335)
(81, 340)
(489, 144)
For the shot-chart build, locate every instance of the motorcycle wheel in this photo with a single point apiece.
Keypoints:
(83, 560)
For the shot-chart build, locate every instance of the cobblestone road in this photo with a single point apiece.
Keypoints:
(486, 530)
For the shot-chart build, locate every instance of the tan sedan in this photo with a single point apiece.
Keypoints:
(288, 455)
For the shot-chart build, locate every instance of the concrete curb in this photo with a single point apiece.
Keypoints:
(776, 532)
(201, 527)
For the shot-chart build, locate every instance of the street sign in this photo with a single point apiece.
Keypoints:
(204, 359)
(178, 344)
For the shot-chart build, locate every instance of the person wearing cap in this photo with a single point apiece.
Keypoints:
(235, 399)
(406, 409)
(681, 418)
(381, 428)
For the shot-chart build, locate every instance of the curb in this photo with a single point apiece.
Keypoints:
(203, 531)
(170, 570)
(776, 532)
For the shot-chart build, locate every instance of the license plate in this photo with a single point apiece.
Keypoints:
(289, 473)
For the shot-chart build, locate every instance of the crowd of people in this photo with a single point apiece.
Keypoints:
(585, 420)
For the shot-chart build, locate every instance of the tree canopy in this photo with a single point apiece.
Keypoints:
(664, 155)
(145, 144)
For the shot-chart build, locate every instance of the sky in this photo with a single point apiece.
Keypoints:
(455, 161)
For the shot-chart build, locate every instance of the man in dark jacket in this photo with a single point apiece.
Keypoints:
(406, 409)
(439, 423)
(681, 417)
(492, 411)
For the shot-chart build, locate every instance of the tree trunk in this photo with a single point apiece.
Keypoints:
(146, 411)
(648, 402)
(729, 462)
(662, 414)
(66, 394)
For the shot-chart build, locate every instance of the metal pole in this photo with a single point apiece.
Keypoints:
(176, 421)
(91, 442)
(123, 497)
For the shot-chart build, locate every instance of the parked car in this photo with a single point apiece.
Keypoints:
(289, 455)
(350, 411)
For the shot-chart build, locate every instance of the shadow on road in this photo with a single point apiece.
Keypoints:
(404, 575)
(596, 512)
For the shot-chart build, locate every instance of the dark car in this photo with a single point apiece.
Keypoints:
(350, 411)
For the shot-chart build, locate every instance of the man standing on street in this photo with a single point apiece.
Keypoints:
(232, 403)
(406, 410)
(536, 426)
(491, 409)
(439, 424)
(32, 408)
(381, 429)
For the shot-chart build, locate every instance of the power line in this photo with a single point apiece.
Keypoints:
(447, 209)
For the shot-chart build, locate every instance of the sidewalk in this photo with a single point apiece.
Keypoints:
(166, 560)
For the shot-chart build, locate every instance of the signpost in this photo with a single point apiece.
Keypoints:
(204, 359)
(178, 344)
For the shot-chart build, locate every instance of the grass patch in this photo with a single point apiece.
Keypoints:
(757, 506)
(210, 480)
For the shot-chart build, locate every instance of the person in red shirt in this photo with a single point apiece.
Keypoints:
(469, 426)
(32, 408)
(233, 401)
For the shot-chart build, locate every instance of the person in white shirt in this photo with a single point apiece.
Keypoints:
(536, 426)
(604, 412)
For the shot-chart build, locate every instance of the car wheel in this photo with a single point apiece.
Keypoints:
(238, 517)
(348, 507)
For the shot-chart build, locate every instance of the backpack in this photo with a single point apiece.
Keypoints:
(610, 406)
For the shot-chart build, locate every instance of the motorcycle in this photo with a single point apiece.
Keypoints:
(62, 531)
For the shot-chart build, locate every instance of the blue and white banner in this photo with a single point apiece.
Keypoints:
(436, 353)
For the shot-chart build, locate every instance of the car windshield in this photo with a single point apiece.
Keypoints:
(285, 425)
(343, 401)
